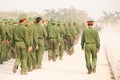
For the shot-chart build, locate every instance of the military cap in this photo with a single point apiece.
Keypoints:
(66, 23)
(52, 20)
(90, 22)
(59, 22)
(5, 19)
(22, 16)
(29, 20)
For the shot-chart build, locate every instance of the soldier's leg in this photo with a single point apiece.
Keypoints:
(3, 51)
(94, 57)
(68, 46)
(17, 60)
(61, 51)
(65, 45)
(87, 58)
(55, 49)
(33, 59)
(1, 58)
(40, 53)
(9, 52)
(29, 62)
(50, 50)
(23, 61)
(71, 45)
(38, 56)
(42, 50)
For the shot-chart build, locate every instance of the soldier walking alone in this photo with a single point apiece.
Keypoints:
(90, 41)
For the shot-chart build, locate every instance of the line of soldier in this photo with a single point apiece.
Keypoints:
(27, 40)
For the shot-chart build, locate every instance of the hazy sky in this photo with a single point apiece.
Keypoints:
(93, 7)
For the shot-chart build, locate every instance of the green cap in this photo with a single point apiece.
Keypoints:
(52, 20)
(29, 20)
(59, 22)
(21, 16)
(66, 23)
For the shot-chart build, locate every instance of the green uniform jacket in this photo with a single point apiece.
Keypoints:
(2, 32)
(70, 32)
(20, 34)
(41, 31)
(53, 32)
(90, 35)
(35, 35)
(62, 32)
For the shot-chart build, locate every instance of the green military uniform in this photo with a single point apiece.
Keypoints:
(65, 37)
(70, 36)
(20, 42)
(77, 28)
(62, 34)
(42, 34)
(15, 24)
(2, 42)
(5, 43)
(90, 38)
(53, 40)
(8, 33)
(33, 40)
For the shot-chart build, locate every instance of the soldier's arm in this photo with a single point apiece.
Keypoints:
(58, 35)
(3, 36)
(97, 41)
(26, 37)
(35, 36)
(45, 32)
(13, 39)
(83, 40)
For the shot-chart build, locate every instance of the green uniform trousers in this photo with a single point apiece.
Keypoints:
(90, 52)
(21, 58)
(61, 49)
(31, 60)
(52, 49)
(39, 53)
(70, 45)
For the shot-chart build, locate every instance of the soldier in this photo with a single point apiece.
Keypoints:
(2, 42)
(62, 34)
(21, 45)
(53, 40)
(8, 32)
(5, 40)
(91, 43)
(77, 28)
(65, 37)
(33, 42)
(15, 24)
(42, 34)
(70, 35)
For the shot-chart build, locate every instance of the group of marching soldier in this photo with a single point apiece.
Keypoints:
(27, 40)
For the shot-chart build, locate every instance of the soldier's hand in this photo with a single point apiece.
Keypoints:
(97, 50)
(13, 49)
(65, 40)
(83, 49)
(29, 49)
(36, 48)
(59, 44)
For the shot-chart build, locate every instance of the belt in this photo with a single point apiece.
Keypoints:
(90, 42)
(18, 41)
(51, 38)
(40, 38)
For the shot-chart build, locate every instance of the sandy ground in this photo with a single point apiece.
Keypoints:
(70, 68)
(111, 38)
